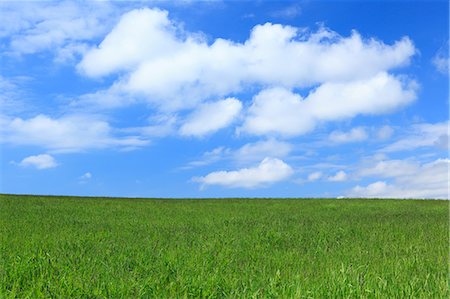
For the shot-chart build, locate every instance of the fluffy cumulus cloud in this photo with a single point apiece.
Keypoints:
(65, 134)
(355, 134)
(408, 180)
(211, 117)
(43, 161)
(158, 62)
(270, 170)
(277, 111)
(280, 111)
(340, 176)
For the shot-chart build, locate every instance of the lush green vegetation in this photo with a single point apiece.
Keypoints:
(303, 248)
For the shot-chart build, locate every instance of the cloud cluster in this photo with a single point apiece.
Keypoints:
(280, 111)
(281, 82)
(158, 62)
(150, 47)
(270, 170)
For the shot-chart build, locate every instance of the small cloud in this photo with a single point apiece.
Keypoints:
(340, 176)
(208, 158)
(288, 12)
(441, 61)
(248, 16)
(160, 125)
(441, 64)
(86, 176)
(270, 170)
(314, 176)
(355, 134)
(43, 161)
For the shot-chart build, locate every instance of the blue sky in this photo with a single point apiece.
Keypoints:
(225, 99)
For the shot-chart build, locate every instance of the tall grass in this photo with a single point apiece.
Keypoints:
(247, 248)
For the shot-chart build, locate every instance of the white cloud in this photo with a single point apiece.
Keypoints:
(175, 69)
(160, 125)
(410, 180)
(86, 176)
(340, 176)
(355, 134)
(382, 93)
(63, 27)
(270, 170)
(210, 117)
(65, 134)
(390, 168)
(279, 111)
(209, 157)
(422, 135)
(248, 153)
(441, 60)
(288, 12)
(257, 151)
(43, 161)
(314, 176)
(139, 34)
(441, 63)
(371, 190)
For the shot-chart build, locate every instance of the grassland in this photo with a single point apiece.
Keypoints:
(238, 248)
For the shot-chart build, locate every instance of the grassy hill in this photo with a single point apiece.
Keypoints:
(304, 248)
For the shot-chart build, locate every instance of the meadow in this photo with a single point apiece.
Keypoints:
(74, 247)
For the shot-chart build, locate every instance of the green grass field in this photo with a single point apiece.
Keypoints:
(248, 248)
